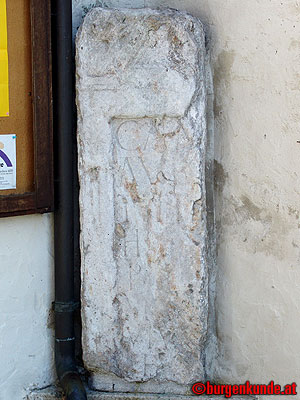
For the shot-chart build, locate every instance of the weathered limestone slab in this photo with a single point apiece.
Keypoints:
(142, 134)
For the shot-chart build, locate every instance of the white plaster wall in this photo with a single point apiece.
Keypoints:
(26, 293)
(256, 63)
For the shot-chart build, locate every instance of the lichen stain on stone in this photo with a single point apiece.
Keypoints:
(197, 211)
(294, 212)
(162, 251)
(120, 231)
(94, 173)
(154, 23)
(132, 190)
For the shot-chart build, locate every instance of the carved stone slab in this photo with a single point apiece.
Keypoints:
(142, 135)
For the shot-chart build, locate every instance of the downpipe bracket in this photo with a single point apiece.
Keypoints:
(65, 306)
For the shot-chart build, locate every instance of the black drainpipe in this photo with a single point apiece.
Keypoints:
(65, 304)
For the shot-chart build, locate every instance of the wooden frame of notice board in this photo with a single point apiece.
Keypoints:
(40, 196)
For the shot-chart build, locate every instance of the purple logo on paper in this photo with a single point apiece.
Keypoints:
(4, 156)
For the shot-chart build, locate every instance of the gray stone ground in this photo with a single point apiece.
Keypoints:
(52, 394)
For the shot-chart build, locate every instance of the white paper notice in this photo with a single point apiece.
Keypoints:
(8, 162)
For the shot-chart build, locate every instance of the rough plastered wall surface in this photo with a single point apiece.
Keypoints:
(255, 59)
(142, 142)
(26, 292)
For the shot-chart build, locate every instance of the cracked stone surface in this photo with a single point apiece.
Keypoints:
(142, 137)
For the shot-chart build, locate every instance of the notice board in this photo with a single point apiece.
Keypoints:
(29, 116)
